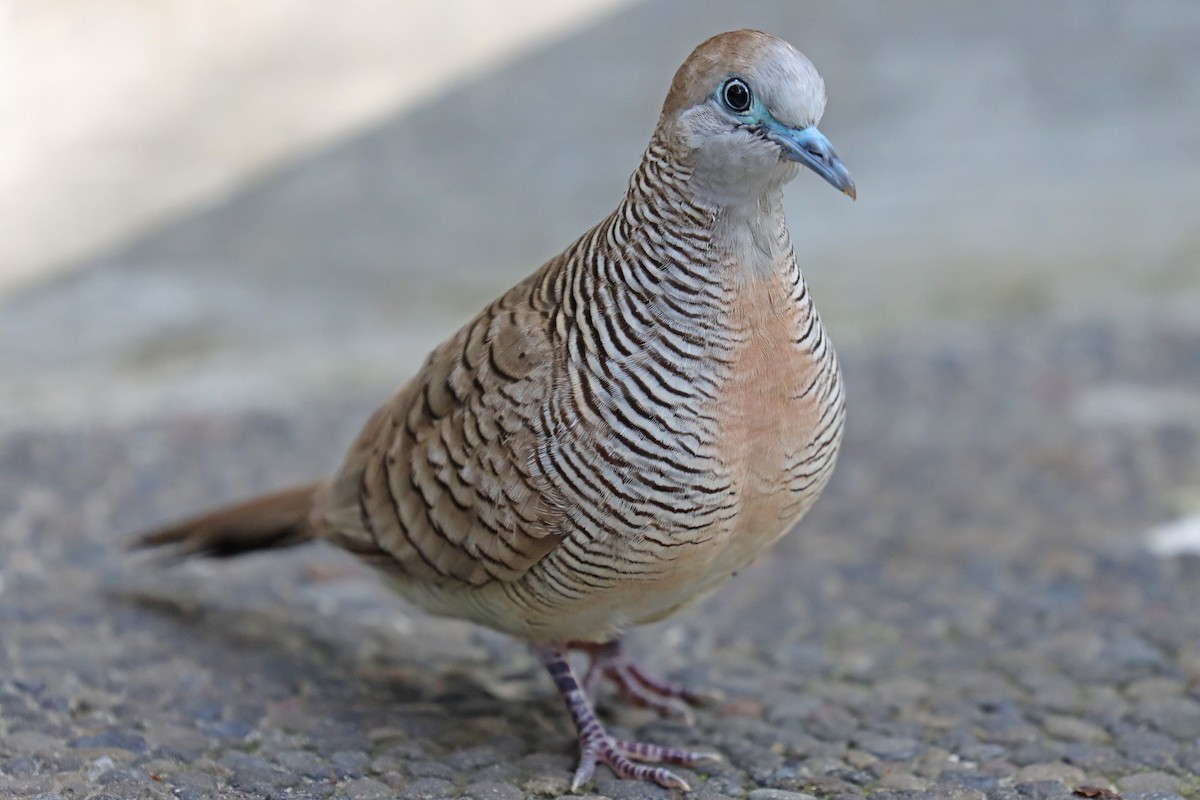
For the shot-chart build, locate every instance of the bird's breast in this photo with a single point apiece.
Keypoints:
(778, 415)
(775, 416)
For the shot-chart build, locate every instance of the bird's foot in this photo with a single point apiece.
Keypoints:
(640, 688)
(596, 746)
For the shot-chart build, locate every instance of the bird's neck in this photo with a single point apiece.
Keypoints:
(738, 235)
(751, 237)
(689, 259)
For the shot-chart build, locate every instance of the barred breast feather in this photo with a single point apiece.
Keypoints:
(614, 436)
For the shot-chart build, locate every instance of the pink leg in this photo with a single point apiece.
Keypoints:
(637, 687)
(597, 746)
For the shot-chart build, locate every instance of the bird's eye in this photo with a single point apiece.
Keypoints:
(736, 95)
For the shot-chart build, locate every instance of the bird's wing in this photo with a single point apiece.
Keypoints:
(442, 484)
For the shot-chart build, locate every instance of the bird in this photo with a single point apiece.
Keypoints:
(621, 431)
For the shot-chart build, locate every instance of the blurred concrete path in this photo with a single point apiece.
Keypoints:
(1013, 159)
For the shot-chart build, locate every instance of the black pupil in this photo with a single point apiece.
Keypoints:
(737, 96)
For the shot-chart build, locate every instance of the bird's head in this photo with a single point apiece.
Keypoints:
(743, 112)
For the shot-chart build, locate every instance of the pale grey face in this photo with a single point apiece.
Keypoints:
(757, 121)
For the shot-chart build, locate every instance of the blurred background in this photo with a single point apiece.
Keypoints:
(218, 205)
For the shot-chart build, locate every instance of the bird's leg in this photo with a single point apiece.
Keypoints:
(636, 686)
(597, 746)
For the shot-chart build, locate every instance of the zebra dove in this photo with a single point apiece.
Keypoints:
(622, 430)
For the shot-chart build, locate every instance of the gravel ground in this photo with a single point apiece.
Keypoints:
(969, 612)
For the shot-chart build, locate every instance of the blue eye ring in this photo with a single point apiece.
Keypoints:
(736, 96)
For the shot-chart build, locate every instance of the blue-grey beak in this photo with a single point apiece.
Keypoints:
(810, 147)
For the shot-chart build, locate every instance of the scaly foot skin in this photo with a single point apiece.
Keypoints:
(639, 688)
(596, 746)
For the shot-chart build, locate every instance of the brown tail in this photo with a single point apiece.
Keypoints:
(267, 522)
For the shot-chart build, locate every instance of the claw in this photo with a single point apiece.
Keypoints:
(606, 752)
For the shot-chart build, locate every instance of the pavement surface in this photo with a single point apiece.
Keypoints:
(230, 229)
(969, 612)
